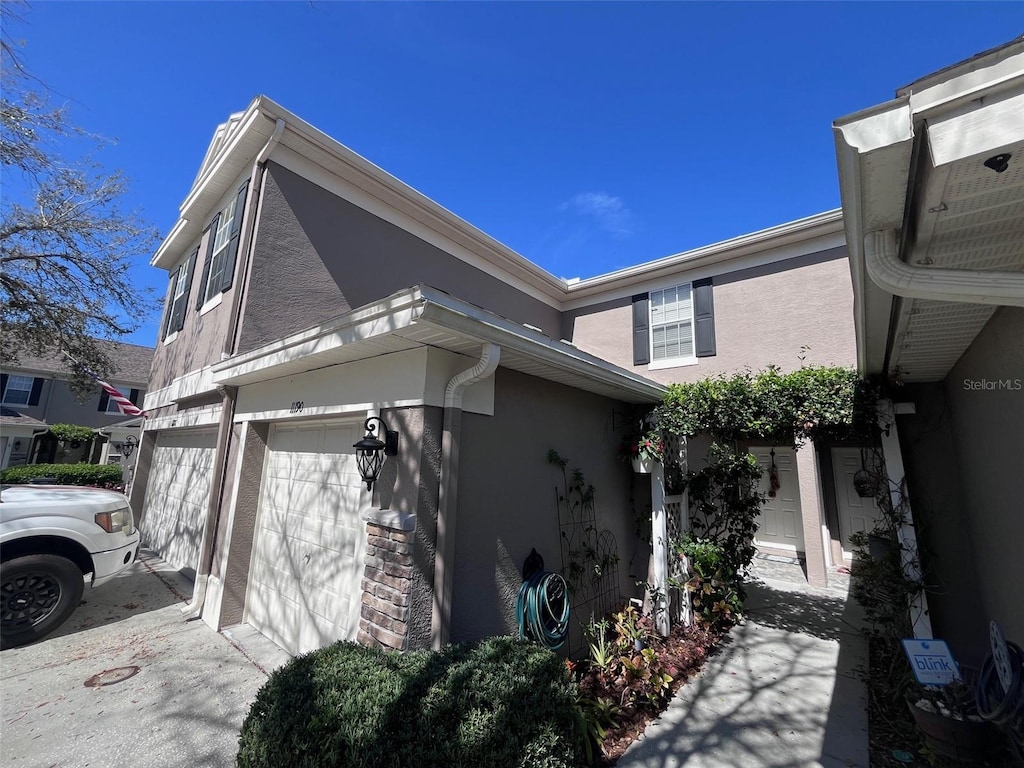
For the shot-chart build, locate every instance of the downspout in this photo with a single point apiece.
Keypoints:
(447, 502)
(259, 168)
(971, 286)
(194, 609)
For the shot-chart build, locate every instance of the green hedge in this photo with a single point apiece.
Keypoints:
(503, 702)
(103, 475)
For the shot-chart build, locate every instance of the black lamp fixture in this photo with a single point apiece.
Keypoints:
(129, 445)
(371, 450)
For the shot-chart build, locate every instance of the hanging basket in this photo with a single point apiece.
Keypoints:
(865, 484)
(642, 466)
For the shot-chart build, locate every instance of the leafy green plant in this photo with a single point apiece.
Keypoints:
(724, 507)
(812, 402)
(714, 590)
(72, 433)
(598, 714)
(602, 653)
(500, 702)
(101, 475)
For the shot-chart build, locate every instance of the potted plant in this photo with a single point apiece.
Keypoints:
(948, 718)
(642, 451)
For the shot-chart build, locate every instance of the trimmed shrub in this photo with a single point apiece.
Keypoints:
(502, 702)
(102, 475)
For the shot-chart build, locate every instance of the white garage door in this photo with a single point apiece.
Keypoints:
(177, 495)
(780, 524)
(307, 565)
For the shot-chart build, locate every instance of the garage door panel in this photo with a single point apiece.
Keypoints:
(308, 556)
(177, 495)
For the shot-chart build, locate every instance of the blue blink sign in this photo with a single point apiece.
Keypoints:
(931, 661)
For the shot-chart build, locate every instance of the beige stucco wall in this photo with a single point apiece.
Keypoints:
(763, 316)
(318, 256)
(986, 395)
(508, 491)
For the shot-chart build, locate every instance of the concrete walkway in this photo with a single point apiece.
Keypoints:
(785, 691)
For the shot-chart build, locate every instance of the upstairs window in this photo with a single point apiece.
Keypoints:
(672, 324)
(18, 390)
(222, 248)
(181, 283)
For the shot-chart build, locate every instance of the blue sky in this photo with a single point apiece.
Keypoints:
(586, 136)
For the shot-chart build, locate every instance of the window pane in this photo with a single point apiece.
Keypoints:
(672, 323)
(19, 388)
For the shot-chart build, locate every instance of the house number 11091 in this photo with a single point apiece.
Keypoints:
(297, 406)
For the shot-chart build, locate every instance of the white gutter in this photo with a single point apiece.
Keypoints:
(887, 271)
(447, 503)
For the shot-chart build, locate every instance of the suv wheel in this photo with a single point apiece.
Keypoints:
(37, 594)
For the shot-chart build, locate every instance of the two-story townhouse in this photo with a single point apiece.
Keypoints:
(309, 290)
(35, 394)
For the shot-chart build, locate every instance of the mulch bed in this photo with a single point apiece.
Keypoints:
(682, 654)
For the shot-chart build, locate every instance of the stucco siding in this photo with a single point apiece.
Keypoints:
(986, 394)
(508, 492)
(318, 256)
(763, 316)
(202, 338)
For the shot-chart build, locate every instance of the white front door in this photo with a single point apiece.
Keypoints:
(310, 542)
(856, 513)
(178, 495)
(780, 524)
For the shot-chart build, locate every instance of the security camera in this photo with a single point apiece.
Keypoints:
(999, 163)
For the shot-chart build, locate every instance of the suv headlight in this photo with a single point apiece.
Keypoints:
(120, 520)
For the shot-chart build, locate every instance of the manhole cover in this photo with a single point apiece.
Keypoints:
(111, 676)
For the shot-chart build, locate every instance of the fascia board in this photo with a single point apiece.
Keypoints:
(447, 312)
(794, 233)
(246, 139)
(968, 81)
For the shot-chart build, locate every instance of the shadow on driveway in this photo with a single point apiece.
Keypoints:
(176, 691)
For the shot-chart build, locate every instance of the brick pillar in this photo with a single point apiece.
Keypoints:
(387, 580)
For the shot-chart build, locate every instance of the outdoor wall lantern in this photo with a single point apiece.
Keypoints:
(371, 450)
(128, 446)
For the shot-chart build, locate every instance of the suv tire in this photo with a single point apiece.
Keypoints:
(37, 594)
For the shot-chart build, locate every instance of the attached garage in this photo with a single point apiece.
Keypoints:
(178, 495)
(304, 585)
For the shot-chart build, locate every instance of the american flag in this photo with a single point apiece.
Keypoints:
(124, 405)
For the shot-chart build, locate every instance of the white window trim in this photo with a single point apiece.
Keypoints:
(7, 388)
(211, 303)
(170, 337)
(224, 225)
(670, 362)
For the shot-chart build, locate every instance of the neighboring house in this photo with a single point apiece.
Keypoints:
(35, 394)
(309, 290)
(933, 193)
(778, 297)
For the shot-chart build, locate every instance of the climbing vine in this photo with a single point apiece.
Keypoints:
(812, 402)
(72, 433)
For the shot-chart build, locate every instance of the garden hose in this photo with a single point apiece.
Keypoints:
(999, 691)
(542, 608)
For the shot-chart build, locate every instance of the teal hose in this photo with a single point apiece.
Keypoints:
(543, 609)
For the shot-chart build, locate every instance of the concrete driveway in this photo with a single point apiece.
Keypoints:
(126, 681)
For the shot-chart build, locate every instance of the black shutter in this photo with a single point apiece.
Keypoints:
(170, 304)
(104, 399)
(236, 229)
(212, 229)
(133, 395)
(37, 388)
(3, 384)
(181, 306)
(641, 329)
(704, 318)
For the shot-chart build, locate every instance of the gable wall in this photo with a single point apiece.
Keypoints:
(318, 256)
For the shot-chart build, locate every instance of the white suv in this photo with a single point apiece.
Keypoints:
(50, 538)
